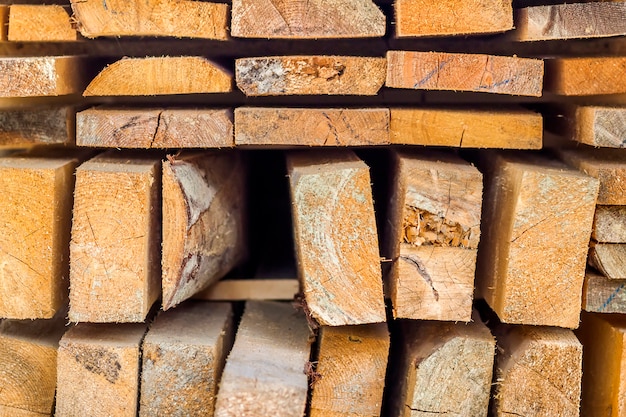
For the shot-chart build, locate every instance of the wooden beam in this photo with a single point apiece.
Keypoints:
(183, 357)
(349, 376)
(113, 127)
(40, 76)
(467, 128)
(465, 72)
(530, 381)
(160, 76)
(204, 216)
(599, 125)
(40, 23)
(251, 289)
(4, 22)
(534, 203)
(315, 19)
(259, 126)
(264, 373)
(586, 76)
(609, 259)
(310, 74)
(609, 224)
(116, 236)
(36, 126)
(415, 18)
(432, 236)
(570, 21)
(335, 238)
(98, 370)
(603, 295)
(180, 19)
(432, 376)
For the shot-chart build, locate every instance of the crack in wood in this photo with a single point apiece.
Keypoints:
(421, 269)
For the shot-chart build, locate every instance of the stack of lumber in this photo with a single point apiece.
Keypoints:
(312, 208)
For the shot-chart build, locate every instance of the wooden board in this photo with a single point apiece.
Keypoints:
(264, 373)
(181, 19)
(538, 372)
(4, 22)
(609, 259)
(98, 370)
(538, 210)
(599, 125)
(160, 76)
(335, 237)
(40, 23)
(432, 376)
(314, 19)
(350, 372)
(204, 216)
(40, 76)
(432, 236)
(465, 72)
(452, 17)
(116, 236)
(467, 128)
(116, 127)
(609, 224)
(36, 126)
(603, 295)
(260, 126)
(251, 289)
(586, 76)
(183, 356)
(570, 21)
(310, 74)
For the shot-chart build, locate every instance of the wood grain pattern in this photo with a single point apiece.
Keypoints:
(603, 295)
(40, 76)
(586, 76)
(277, 289)
(37, 126)
(609, 224)
(599, 126)
(40, 23)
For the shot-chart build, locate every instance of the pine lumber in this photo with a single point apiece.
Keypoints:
(609, 224)
(116, 237)
(603, 295)
(465, 72)
(335, 237)
(98, 370)
(4, 22)
(40, 23)
(467, 128)
(542, 211)
(609, 259)
(180, 19)
(433, 376)
(115, 127)
(36, 126)
(570, 21)
(600, 126)
(265, 371)
(251, 289)
(165, 75)
(310, 74)
(28, 365)
(40, 76)
(313, 19)
(586, 76)
(416, 18)
(604, 386)
(204, 215)
(432, 236)
(538, 372)
(350, 372)
(260, 126)
(183, 357)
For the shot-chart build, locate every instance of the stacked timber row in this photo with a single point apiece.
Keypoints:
(170, 244)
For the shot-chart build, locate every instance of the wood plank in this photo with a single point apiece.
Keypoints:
(98, 370)
(251, 289)
(259, 126)
(586, 76)
(603, 295)
(467, 128)
(180, 19)
(432, 376)
(183, 357)
(540, 210)
(116, 127)
(4, 22)
(204, 216)
(609, 224)
(47, 76)
(608, 258)
(465, 72)
(40, 23)
(160, 76)
(36, 126)
(538, 372)
(28, 365)
(415, 18)
(264, 373)
(570, 21)
(599, 126)
(350, 372)
(116, 237)
(433, 230)
(314, 19)
(335, 237)
(310, 74)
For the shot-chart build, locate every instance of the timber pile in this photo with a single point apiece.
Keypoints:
(431, 255)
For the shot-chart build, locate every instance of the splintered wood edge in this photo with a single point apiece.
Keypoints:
(251, 289)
